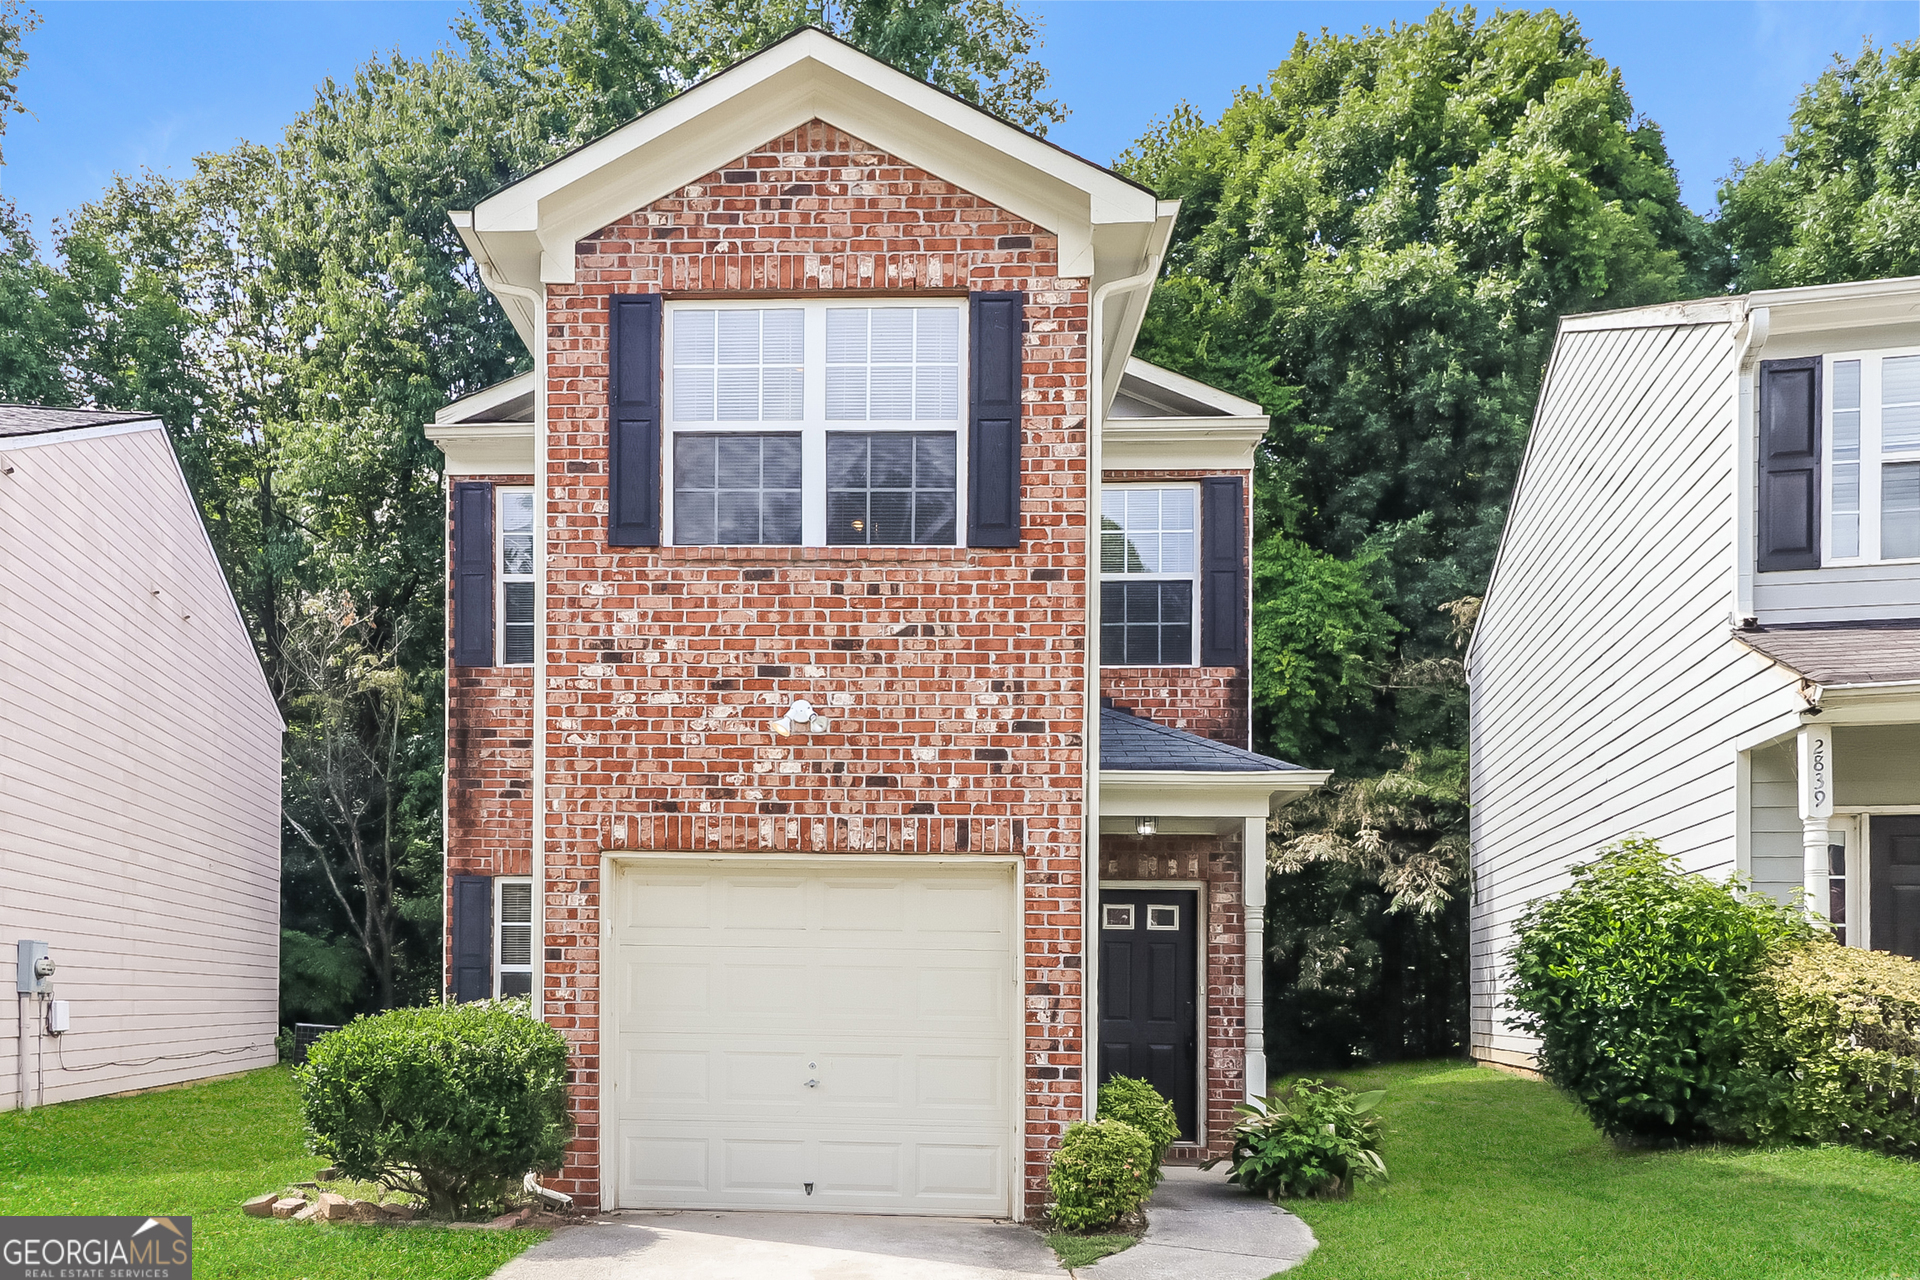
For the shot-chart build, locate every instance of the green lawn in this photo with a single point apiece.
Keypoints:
(1498, 1178)
(201, 1151)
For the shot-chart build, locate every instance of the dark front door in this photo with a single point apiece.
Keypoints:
(1893, 883)
(1148, 993)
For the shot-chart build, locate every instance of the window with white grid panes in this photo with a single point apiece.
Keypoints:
(513, 572)
(1149, 575)
(817, 424)
(1872, 456)
(513, 940)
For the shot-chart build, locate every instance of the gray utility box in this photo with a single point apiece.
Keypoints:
(36, 969)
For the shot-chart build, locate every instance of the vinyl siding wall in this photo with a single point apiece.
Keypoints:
(1608, 694)
(139, 775)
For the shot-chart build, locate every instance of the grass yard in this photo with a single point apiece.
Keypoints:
(201, 1150)
(1500, 1178)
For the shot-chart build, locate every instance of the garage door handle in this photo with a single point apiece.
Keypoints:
(812, 1084)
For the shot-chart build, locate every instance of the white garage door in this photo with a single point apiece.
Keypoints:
(814, 1037)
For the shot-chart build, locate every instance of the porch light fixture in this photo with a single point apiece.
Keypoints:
(800, 713)
(1146, 826)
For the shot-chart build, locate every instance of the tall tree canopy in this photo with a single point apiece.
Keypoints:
(1375, 244)
(1842, 199)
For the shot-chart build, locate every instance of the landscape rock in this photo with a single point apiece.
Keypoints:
(260, 1206)
(396, 1212)
(287, 1207)
(507, 1221)
(334, 1208)
(306, 1213)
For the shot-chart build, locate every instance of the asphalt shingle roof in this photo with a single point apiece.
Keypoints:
(33, 419)
(1841, 653)
(1132, 742)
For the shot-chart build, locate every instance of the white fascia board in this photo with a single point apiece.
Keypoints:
(485, 448)
(485, 400)
(807, 76)
(1851, 304)
(1223, 402)
(1180, 794)
(1180, 444)
(1891, 702)
(1659, 316)
(71, 435)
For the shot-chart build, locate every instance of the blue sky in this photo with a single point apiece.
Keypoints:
(118, 85)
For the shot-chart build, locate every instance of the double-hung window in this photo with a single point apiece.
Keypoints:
(513, 945)
(815, 424)
(1872, 457)
(1149, 567)
(513, 575)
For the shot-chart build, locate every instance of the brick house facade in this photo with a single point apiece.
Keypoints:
(951, 782)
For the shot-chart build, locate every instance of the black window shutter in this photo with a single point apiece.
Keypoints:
(1223, 572)
(633, 417)
(472, 925)
(997, 321)
(473, 574)
(1790, 464)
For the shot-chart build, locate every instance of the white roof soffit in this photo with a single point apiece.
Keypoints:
(529, 229)
(1178, 794)
(482, 404)
(1190, 425)
(1183, 396)
(1852, 305)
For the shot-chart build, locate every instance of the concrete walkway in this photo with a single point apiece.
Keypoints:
(699, 1245)
(1201, 1227)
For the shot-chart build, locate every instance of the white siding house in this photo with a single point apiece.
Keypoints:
(1708, 572)
(139, 768)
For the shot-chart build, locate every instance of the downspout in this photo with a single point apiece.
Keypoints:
(536, 303)
(1090, 751)
(1753, 337)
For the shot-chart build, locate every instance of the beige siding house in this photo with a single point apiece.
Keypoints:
(1704, 621)
(139, 769)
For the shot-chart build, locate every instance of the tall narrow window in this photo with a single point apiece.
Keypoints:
(514, 946)
(1900, 479)
(515, 576)
(1837, 891)
(1846, 459)
(1148, 565)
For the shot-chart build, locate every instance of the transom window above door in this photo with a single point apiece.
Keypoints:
(815, 424)
(1872, 458)
(1149, 571)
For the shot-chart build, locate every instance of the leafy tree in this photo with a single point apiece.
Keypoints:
(16, 23)
(1842, 199)
(1375, 245)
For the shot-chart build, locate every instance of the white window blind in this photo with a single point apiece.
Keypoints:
(893, 364)
(737, 365)
(514, 946)
(516, 577)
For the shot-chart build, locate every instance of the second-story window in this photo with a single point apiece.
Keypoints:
(1873, 457)
(1149, 557)
(514, 573)
(815, 424)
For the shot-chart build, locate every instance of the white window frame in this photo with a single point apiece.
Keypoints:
(501, 577)
(1199, 523)
(1872, 456)
(500, 884)
(813, 426)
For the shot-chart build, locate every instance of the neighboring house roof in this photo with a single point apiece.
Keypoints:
(1879, 651)
(33, 419)
(1133, 743)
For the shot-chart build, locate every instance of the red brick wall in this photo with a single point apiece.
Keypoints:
(1209, 701)
(955, 678)
(489, 820)
(1214, 860)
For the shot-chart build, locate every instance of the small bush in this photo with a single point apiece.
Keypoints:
(1307, 1138)
(1101, 1174)
(1836, 1055)
(1635, 981)
(452, 1103)
(1140, 1105)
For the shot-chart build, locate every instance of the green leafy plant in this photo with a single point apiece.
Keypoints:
(1306, 1138)
(1101, 1174)
(452, 1103)
(1140, 1105)
(1635, 979)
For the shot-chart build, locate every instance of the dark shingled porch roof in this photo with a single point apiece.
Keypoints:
(1879, 651)
(33, 419)
(1131, 742)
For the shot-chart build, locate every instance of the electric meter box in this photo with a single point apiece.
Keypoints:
(36, 969)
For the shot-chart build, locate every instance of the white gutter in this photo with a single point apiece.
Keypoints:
(1090, 736)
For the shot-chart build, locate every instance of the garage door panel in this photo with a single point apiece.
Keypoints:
(894, 991)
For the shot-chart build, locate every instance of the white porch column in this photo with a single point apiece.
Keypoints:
(1253, 895)
(1816, 807)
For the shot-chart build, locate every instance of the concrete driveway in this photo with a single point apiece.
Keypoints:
(698, 1245)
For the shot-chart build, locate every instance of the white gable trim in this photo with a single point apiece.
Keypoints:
(72, 435)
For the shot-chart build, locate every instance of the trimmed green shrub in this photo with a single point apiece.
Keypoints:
(1306, 1138)
(1635, 979)
(453, 1103)
(1140, 1105)
(1837, 1050)
(1101, 1174)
